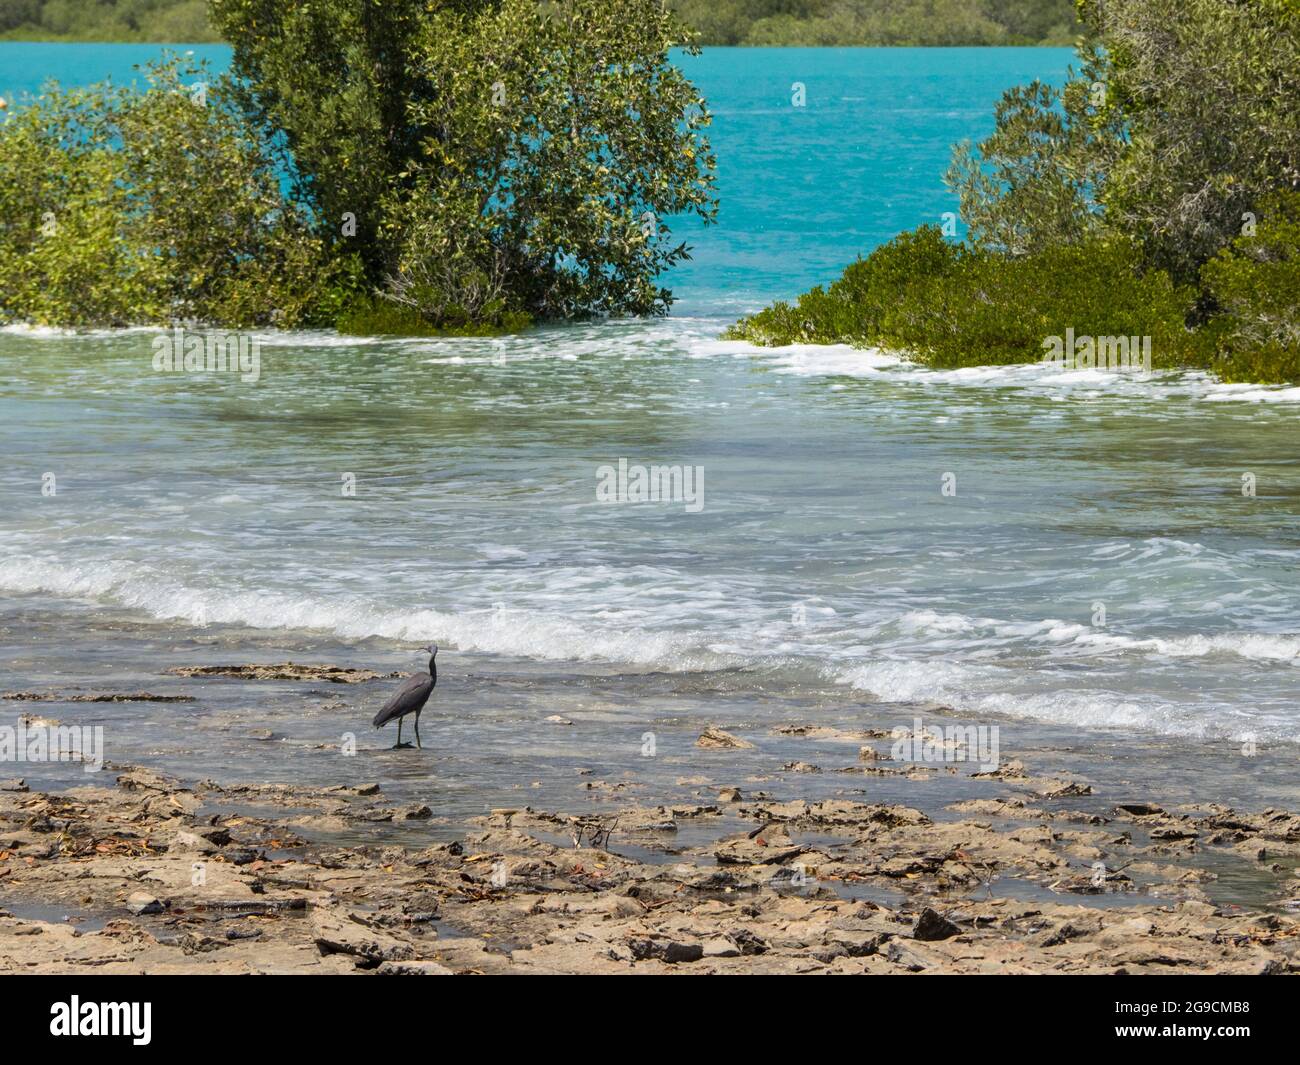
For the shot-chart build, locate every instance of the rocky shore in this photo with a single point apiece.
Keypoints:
(154, 874)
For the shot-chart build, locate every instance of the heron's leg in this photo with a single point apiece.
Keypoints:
(417, 731)
(399, 733)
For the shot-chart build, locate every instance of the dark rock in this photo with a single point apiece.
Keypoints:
(414, 967)
(858, 944)
(932, 926)
(241, 855)
(1140, 809)
(219, 836)
(682, 952)
(828, 952)
(668, 951)
(747, 941)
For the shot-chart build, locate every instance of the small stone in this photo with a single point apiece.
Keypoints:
(910, 960)
(192, 842)
(1063, 789)
(720, 947)
(730, 795)
(556, 719)
(716, 737)
(415, 967)
(141, 902)
(354, 789)
(620, 952)
(1171, 833)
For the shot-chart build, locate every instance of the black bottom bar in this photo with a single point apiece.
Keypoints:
(334, 1014)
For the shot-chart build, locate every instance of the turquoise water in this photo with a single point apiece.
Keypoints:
(827, 570)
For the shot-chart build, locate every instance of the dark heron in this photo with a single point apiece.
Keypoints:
(410, 699)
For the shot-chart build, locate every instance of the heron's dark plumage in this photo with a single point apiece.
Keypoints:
(410, 697)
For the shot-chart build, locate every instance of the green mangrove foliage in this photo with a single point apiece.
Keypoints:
(120, 206)
(880, 22)
(953, 305)
(1255, 284)
(467, 165)
(489, 163)
(1156, 193)
(729, 22)
(106, 20)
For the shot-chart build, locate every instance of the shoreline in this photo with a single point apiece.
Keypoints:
(769, 867)
(791, 352)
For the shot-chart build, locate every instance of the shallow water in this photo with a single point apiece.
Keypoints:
(825, 553)
(827, 577)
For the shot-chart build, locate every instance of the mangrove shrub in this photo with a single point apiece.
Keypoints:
(488, 162)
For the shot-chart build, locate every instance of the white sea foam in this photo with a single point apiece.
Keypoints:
(522, 633)
(1258, 646)
(53, 332)
(312, 338)
(901, 672)
(831, 360)
(988, 690)
(840, 360)
(1226, 393)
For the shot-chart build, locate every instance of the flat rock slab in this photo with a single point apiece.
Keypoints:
(96, 697)
(153, 878)
(283, 671)
(346, 932)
